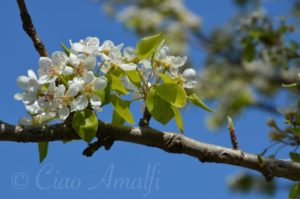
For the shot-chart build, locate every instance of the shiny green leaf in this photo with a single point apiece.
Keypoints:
(117, 119)
(43, 150)
(85, 123)
(122, 108)
(178, 119)
(295, 191)
(134, 77)
(65, 48)
(172, 93)
(295, 156)
(159, 108)
(166, 78)
(116, 84)
(147, 45)
(194, 99)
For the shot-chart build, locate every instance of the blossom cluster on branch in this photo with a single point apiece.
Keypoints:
(85, 77)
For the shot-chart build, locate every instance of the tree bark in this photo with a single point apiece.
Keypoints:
(167, 141)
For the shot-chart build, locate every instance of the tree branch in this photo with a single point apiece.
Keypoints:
(30, 30)
(169, 142)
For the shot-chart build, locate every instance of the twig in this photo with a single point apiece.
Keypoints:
(144, 122)
(30, 29)
(233, 138)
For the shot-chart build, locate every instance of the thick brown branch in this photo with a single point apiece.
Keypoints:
(30, 30)
(170, 142)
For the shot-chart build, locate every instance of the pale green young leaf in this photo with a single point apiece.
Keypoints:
(147, 45)
(117, 119)
(85, 123)
(134, 77)
(65, 48)
(172, 93)
(122, 108)
(116, 84)
(295, 191)
(166, 78)
(178, 119)
(43, 150)
(159, 108)
(295, 156)
(194, 99)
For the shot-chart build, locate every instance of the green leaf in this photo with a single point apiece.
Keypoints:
(65, 48)
(172, 93)
(43, 150)
(85, 123)
(117, 84)
(134, 77)
(178, 119)
(104, 95)
(295, 157)
(117, 119)
(166, 78)
(295, 191)
(289, 85)
(147, 45)
(296, 131)
(194, 99)
(249, 52)
(122, 108)
(159, 108)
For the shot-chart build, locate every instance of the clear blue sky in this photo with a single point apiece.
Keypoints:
(68, 174)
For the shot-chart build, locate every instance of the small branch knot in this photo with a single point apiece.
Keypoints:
(103, 139)
(268, 172)
(174, 144)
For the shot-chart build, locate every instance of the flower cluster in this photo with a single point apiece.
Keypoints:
(70, 81)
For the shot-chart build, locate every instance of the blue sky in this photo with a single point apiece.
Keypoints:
(66, 173)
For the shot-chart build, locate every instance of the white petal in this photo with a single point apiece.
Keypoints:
(89, 77)
(28, 99)
(60, 91)
(73, 90)
(177, 61)
(163, 52)
(128, 67)
(59, 58)
(92, 44)
(68, 70)
(44, 79)
(174, 71)
(129, 53)
(74, 59)
(33, 108)
(25, 121)
(145, 64)
(104, 56)
(107, 45)
(81, 102)
(19, 96)
(95, 100)
(45, 62)
(44, 117)
(190, 84)
(31, 74)
(77, 47)
(90, 62)
(63, 113)
(100, 83)
(189, 74)
(23, 82)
